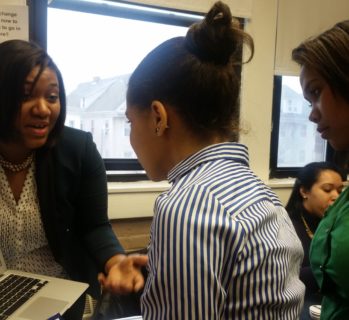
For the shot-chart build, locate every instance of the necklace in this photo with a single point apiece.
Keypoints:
(307, 228)
(14, 167)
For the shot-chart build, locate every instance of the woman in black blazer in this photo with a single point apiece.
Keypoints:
(53, 191)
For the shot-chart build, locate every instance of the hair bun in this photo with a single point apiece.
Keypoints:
(217, 38)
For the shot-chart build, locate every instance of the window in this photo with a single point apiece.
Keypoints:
(97, 45)
(295, 141)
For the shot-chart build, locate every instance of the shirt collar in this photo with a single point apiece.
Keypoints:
(228, 150)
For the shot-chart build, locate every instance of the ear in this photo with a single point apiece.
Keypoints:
(303, 192)
(160, 117)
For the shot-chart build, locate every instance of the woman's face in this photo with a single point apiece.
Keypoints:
(323, 193)
(40, 109)
(329, 110)
(146, 144)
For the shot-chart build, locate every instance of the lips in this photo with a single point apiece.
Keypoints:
(38, 129)
(323, 131)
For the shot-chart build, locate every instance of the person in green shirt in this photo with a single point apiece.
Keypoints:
(324, 78)
(317, 186)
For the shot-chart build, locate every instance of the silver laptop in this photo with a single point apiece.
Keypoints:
(48, 297)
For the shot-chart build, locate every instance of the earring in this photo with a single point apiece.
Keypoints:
(157, 129)
(305, 197)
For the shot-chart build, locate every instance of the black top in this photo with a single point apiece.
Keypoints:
(72, 191)
(306, 274)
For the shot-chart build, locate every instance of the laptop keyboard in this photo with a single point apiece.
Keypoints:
(15, 290)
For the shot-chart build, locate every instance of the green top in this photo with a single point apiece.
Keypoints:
(329, 258)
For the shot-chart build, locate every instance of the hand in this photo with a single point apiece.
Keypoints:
(123, 274)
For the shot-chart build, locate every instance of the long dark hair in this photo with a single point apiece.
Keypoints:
(197, 75)
(328, 54)
(306, 178)
(17, 59)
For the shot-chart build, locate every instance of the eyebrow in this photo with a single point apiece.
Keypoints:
(31, 82)
(330, 184)
(306, 89)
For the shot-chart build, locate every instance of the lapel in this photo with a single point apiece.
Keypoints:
(46, 194)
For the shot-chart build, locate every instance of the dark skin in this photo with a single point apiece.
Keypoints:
(16, 182)
(37, 117)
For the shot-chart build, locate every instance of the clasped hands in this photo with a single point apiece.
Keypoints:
(123, 274)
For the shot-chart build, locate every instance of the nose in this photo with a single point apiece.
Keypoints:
(334, 195)
(314, 115)
(41, 108)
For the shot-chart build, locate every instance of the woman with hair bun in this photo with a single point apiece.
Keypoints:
(222, 246)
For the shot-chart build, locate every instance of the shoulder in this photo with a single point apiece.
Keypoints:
(75, 148)
(73, 136)
(73, 141)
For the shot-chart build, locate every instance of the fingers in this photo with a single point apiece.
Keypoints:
(125, 276)
(122, 280)
(102, 281)
(121, 287)
(124, 285)
(139, 260)
(138, 283)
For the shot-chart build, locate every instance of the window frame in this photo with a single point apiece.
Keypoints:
(274, 170)
(117, 169)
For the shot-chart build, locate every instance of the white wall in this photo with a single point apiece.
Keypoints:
(13, 2)
(137, 199)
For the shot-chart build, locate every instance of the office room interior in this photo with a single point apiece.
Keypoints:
(276, 27)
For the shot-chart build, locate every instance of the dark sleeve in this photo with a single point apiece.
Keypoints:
(92, 205)
(307, 277)
(306, 274)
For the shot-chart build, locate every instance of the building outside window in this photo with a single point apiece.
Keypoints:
(96, 54)
(295, 141)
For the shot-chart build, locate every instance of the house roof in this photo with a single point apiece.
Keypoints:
(99, 95)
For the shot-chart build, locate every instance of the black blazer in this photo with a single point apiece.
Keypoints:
(72, 191)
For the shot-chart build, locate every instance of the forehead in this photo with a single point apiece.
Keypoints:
(307, 75)
(328, 176)
(46, 74)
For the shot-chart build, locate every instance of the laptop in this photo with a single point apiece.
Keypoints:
(48, 297)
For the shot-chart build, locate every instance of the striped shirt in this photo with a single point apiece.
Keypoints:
(222, 246)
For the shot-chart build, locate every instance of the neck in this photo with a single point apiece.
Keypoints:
(188, 144)
(13, 152)
(180, 141)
